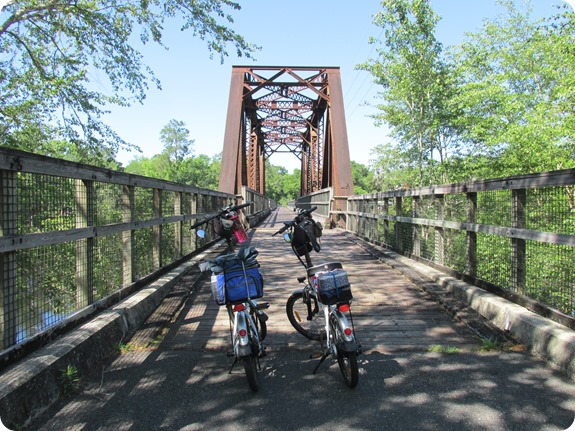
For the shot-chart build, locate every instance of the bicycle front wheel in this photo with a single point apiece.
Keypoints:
(251, 368)
(304, 315)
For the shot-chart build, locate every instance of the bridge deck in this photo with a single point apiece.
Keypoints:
(390, 312)
(181, 382)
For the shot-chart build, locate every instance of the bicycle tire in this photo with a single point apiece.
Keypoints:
(250, 367)
(347, 362)
(297, 312)
(261, 325)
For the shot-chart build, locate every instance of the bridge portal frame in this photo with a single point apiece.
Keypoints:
(298, 110)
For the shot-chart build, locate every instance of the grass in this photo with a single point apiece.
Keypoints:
(449, 350)
(70, 380)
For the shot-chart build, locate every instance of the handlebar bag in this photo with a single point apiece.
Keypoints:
(303, 235)
(333, 287)
(223, 227)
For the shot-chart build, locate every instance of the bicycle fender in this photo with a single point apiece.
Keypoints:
(297, 291)
(347, 346)
(242, 345)
(343, 325)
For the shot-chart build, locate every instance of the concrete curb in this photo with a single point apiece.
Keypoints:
(544, 338)
(30, 386)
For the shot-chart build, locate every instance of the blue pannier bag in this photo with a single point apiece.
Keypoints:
(237, 286)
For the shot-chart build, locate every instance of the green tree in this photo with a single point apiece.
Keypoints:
(415, 84)
(177, 147)
(391, 168)
(362, 179)
(50, 51)
(516, 93)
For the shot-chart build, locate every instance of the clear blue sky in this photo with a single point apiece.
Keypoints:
(291, 33)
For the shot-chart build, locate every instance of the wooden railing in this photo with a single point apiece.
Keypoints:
(74, 238)
(513, 236)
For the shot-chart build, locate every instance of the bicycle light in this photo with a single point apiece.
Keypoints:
(243, 332)
(343, 307)
(239, 307)
(347, 331)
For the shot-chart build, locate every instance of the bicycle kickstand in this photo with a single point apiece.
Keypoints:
(234, 363)
(323, 357)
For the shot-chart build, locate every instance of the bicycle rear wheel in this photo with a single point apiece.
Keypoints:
(260, 323)
(347, 362)
(304, 315)
(251, 369)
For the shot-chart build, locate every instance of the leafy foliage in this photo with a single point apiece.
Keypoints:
(54, 53)
(414, 83)
(499, 104)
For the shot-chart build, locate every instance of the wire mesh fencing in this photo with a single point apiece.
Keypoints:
(73, 235)
(516, 234)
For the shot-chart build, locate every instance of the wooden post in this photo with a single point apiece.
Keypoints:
(416, 232)
(8, 226)
(194, 198)
(386, 221)
(157, 231)
(439, 231)
(84, 247)
(518, 246)
(471, 255)
(178, 227)
(128, 211)
(398, 227)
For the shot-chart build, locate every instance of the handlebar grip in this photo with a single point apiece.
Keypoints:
(239, 207)
(282, 230)
(199, 223)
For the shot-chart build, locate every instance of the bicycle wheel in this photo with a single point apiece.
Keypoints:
(261, 325)
(297, 309)
(347, 362)
(250, 366)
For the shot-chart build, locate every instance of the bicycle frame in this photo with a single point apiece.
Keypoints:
(244, 328)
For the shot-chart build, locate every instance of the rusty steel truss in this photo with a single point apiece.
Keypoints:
(296, 110)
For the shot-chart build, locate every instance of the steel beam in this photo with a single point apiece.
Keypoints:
(298, 110)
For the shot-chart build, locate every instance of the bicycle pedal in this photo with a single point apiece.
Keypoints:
(263, 305)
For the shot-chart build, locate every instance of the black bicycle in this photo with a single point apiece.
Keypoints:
(321, 310)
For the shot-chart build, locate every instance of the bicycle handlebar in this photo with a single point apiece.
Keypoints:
(223, 211)
(296, 220)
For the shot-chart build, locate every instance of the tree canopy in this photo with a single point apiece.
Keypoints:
(52, 52)
(501, 103)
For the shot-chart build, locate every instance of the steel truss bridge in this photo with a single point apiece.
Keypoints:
(296, 110)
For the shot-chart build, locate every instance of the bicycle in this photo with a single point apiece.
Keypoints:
(319, 311)
(236, 283)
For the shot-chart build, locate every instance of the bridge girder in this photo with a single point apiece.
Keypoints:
(296, 110)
